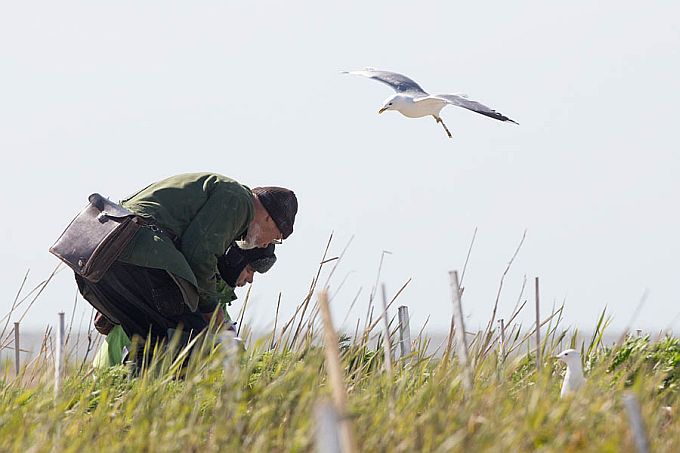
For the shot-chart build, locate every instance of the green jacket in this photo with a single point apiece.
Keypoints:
(112, 349)
(227, 296)
(207, 212)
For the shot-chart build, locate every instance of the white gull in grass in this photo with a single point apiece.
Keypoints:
(573, 379)
(414, 102)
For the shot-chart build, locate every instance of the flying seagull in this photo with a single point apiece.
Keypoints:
(414, 102)
(573, 379)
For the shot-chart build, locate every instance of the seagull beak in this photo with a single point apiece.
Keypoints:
(382, 110)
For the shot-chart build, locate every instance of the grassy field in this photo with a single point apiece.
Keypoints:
(267, 397)
(264, 399)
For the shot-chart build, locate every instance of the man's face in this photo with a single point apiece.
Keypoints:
(261, 234)
(272, 234)
(246, 276)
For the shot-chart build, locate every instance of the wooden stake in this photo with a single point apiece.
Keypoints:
(17, 346)
(327, 422)
(387, 344)
(335, 375)
(404, 331)
(637, 425)
(461, 342)
(538, 329)
(501, 339)
(59, 355)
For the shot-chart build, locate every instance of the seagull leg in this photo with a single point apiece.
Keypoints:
(440, 121)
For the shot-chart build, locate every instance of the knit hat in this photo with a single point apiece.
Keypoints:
(231, 264)
(281, 205)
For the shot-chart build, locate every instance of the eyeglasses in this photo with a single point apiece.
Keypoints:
(278, 240)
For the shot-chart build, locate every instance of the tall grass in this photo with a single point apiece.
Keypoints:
(263, 399)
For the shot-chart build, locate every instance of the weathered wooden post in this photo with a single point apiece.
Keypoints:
(638, 427)
(326, 428)
(501, 340)
(538, 329)
(17, 348)
(387, 344)
(59, 355)
(501, 349)
(461, 342)
(404, 331)
(335, 376)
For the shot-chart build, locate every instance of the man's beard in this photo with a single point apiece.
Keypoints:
(245, 244)
(251, 239)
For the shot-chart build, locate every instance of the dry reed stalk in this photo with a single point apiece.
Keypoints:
(551, 332)
(369, 315)
(377, 277)
(72, 350)
(287, 325)
(460, 331)
(276, 319)
(500, 285)
(538, 328)
(373, 323)
(369, 319)
(420, 345)
(351, 306)
(452, 327)
(242, 313)
(40, 356)
(310, 292)
(517, 312)
(521, 293)
(467, 257)
(90, 343)
(528, 335)
(342, 282)
(42, 287)
(14, 305)
(449, 339)
(72, 317)
(17, 346)
(335, 375)
(339, 258)
(422, 329)
(387, 344)
(633, 317)
(356, 330)
(309, 329)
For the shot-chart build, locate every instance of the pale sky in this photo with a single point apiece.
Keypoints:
(108, 98)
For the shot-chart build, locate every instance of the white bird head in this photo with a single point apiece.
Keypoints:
(573, 378)
(395, 102)
(570, 357)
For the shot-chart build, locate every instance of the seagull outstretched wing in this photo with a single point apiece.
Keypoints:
(399, 82)
(475, 106)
